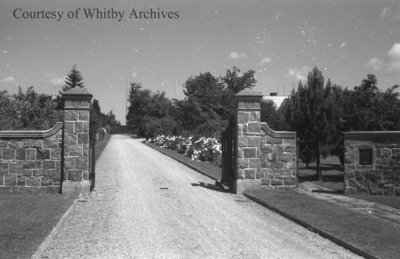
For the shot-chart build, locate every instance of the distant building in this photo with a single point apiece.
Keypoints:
(278, 100)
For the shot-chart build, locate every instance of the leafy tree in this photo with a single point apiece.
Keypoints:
(145, 107)
(272, 115)
(27, 110)
(233, 83)
(368, 108)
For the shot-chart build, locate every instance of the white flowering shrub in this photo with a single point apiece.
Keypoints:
(203, 149)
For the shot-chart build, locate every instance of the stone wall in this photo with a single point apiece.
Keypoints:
(264, 158)
(55, 160)
(278, 158)
(30, 161)
(372, 162)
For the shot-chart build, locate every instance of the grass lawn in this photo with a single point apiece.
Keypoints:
(26, 220)
(365, 232)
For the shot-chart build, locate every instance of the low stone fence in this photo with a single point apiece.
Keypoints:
(372, 162)
(30, 161)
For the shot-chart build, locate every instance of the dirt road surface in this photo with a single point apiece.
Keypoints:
(148, 205)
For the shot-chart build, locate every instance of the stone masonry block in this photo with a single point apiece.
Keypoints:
(254, 163)
(37, 144)
(3, 144)
(276, 182)
(27, 172)
(290, 149)
(243, 117)
(396, 153)
(43, 154)
(242, 141)
(55, 176)
(250, 173)
(16, 168)
(254, 127)
(26, 143)
(71, 115)
(83, 138)
(3, 168)
(274, 141)
(243, 163)
(266, 149)
(69, 163)
(79, 127)
(75, 150)
(75, 175)
(9, 154)
(85, 126)
(10, 180)
(81, 163)
(37, 164)
(71, 139)
(55, 154)
(31, 154)
(32, 181)
(38, 172)
(20, 154)
(69, 126)
(21, 180)
(254, 141)
(86, 150)
(50, 143)
(265, 182)
(289, 142)
(285, 158)
(49, 165)
(374, 175)
(84, 115)
(47, 182)
(249, 152)
(13, 145)
(241, 174)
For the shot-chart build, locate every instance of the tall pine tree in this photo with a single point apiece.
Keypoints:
(73, 79)
(315, 113)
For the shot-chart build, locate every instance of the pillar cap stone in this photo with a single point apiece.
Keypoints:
(248, 93)
(77, 93)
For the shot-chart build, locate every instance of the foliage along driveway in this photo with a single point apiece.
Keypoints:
(149, 205)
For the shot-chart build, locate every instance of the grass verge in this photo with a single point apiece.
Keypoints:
(26, 220)
(362, 232)
(206, 168)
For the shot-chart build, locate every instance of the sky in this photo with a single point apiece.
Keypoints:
(281, 40)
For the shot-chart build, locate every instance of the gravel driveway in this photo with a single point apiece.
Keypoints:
(148, 205)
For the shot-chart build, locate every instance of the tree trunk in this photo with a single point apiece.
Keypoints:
(318, 162)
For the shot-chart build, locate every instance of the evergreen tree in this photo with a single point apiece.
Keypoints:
(73, 79)
(315, 113)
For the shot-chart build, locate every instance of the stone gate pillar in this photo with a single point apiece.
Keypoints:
(247, 140)
(75, 169)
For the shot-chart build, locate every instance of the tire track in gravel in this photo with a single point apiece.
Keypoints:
(146, 207)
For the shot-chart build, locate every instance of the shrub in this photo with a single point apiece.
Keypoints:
(203, 149)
